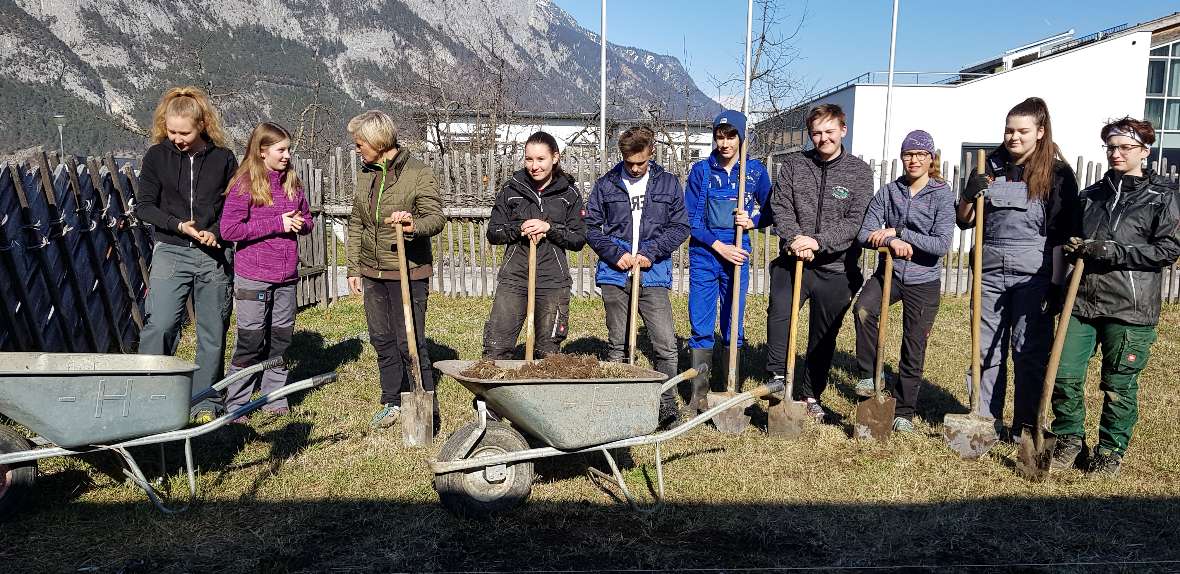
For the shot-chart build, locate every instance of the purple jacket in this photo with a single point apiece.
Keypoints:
(264, 252)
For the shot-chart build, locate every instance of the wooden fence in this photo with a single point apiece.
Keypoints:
(466, 265)
(75, 258)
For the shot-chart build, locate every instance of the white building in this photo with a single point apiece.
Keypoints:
(577, 133)
(1084, 80)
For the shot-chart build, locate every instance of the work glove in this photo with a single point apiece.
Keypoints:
(1098, 251)
(976, 185)
(1071, 248)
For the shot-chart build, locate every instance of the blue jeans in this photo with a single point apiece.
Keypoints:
(207, 275)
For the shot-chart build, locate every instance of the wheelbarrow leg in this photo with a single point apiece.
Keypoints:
(617, 478)
(136, 476)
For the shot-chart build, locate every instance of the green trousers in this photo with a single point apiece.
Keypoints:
(1125, 350)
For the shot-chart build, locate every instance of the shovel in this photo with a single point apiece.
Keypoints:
(874, 415)
(734, 420)
(633, 317)
(971, 435)
(787, 417)
(530, 331)
(1036, 449)
(417, 406)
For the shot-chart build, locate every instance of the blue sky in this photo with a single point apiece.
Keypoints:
(842, 39)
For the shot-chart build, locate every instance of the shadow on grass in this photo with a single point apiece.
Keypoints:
(1003, 534)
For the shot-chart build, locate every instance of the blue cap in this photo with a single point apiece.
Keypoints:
(733, 118)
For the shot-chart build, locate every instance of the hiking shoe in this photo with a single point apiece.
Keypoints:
(1105, 464)
(779, 395)
(866, 388)
(1067, 452)
(203, 417)
(277, 412)
(386, 417)
(902, 424)
(815, 411)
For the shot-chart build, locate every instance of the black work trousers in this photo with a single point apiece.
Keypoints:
(919, 306)
(387, 332)
(830, 294)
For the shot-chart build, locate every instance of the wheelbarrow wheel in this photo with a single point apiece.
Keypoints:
(16, 480)
(483, 491)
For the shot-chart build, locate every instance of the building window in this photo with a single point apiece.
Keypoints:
(1161, 107)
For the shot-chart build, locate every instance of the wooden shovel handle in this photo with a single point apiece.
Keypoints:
(977, 295)
(735, 308)
(633, 316)
(1071, 293)
(883, 320)
(408, 308)
(793, 337)
(530, 331)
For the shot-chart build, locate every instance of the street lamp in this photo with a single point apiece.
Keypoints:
(60, 121)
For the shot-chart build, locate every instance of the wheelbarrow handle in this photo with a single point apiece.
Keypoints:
(701, 369)
(246, 372)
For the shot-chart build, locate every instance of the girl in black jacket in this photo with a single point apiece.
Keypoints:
(183, 179)
(1130, 233)
(540, 203)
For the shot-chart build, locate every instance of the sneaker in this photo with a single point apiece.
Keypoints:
(815, 411)
(386, 417)
(277, 412)
(779, 379)
(1105, 464)
(866, 388)
(203, 417)
(1067, 453)
(902, 424)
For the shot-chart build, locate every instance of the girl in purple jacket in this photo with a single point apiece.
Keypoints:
(264, 210)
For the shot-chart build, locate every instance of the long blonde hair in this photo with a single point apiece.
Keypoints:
(254, 176)
(189, 102)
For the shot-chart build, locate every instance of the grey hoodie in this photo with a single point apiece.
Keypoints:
(925, 220)
(825, 201)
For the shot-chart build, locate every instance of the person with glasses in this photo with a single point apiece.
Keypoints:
(913, 216)
(1031, 209)
(1130, 233)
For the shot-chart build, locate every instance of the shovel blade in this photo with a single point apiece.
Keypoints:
(729, 421)
(969, 435)
(417, 418)
(786, 419)
(1032, 462)
(874, 418)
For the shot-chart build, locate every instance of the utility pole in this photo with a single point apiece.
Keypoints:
(602, 88)
(889, 89)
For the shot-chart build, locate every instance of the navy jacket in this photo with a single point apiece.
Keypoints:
(662, 229)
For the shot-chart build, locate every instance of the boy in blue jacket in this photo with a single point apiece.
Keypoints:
(635, 219)
(710, 196)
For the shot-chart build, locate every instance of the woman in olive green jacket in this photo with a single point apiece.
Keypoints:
(393, 188)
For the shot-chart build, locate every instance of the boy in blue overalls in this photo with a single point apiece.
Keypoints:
(710, 197)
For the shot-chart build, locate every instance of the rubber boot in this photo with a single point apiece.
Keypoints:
(700, 383)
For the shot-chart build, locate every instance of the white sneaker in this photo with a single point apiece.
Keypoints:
(816, 411)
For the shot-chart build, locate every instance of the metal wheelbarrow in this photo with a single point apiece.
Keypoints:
(86, 402)
(485, 466)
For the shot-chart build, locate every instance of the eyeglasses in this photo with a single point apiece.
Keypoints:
(915, 155)
(1122, 148)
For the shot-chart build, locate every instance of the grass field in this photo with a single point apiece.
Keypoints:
(317, 490)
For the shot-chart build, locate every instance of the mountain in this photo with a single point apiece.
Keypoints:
(309, 64)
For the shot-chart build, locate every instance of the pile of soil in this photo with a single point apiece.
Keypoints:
(557, 366)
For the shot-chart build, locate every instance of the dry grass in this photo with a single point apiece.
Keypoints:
(318, 491)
